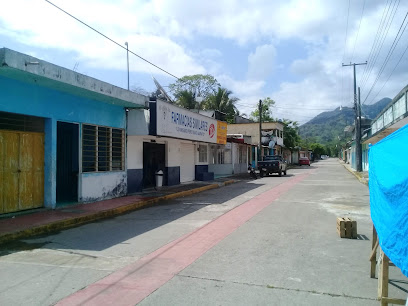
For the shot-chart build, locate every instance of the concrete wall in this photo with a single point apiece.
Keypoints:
(173, 159)
(221, 169)
(30, 99)
(138, 122)
(108, 185)
(252, 129)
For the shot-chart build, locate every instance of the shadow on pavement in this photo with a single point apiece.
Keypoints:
(103, 234)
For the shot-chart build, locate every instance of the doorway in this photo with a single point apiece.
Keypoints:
(187, 167)
(67, 162)
(153, 160)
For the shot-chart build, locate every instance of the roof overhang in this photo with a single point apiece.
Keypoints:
(29, 69)
(385, 132)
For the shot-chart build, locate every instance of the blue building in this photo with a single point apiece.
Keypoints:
(62, 135)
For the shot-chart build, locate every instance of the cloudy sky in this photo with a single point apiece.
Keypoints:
(291, 51)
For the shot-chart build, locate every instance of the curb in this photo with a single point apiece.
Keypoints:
(80, 220)
(361, 180)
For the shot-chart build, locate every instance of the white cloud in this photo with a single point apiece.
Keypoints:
(261, 62)
(40, 24)
(161, 30)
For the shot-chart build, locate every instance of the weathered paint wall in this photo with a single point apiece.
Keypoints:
(30, 99)
(138, 122)
(99, 186)
(221, 169)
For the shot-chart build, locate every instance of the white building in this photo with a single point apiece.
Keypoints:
(172, 139)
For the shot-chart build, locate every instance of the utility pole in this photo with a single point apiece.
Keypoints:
(260, 129)
(127, 54)
(359, 164)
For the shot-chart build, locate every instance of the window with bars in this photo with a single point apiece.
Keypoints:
(220, 156)
(242, 155)
(102, 148)
(202, 153)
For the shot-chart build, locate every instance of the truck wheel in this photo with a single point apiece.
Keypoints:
(280, 172)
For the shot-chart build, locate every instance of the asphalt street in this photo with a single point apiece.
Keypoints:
(270, 241)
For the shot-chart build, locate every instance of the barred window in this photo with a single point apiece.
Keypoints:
(220, 156)
(202, 153)
(102, 148)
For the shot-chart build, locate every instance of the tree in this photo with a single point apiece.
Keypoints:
(291, 137)
(221, 101)
(238, 113)
(267, 103)
(317, 149)
(186, 99)
(200, 85)
(140, 90)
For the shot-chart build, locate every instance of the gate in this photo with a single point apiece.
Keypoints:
(21, 170)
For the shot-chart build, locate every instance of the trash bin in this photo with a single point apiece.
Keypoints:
(159, 178)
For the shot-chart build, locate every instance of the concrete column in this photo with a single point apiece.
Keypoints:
(50, 163)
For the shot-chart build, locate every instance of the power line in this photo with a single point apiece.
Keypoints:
(358, 31)
(303, 108)
(387, 58)
(344, 51)
(279, 107)
(345, 40)
(391, 73)
(389, 22)
(123, 47)
(368, 68)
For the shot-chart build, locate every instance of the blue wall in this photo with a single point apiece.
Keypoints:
(31, 99)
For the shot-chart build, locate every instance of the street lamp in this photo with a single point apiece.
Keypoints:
(127, 55)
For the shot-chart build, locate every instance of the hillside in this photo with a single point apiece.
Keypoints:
(327, 126)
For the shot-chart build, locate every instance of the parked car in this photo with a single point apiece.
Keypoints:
(304, 161)
(272, 164)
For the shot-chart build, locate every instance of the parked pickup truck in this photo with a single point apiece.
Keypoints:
(272, 164)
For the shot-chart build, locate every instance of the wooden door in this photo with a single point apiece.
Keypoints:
(21, 170)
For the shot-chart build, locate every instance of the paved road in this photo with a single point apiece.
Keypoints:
(270, 241)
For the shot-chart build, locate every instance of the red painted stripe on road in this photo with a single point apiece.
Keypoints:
(135, 282)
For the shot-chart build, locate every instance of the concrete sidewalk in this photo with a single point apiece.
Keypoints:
(44, 221)
(361, 176)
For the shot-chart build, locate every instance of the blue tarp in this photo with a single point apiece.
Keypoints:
(388, 175)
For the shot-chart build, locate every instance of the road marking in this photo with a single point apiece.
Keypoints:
(132, 284)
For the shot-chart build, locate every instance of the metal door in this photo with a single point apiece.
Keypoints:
(67, 162)
(187, 166)
(153, 160)
(21, 170)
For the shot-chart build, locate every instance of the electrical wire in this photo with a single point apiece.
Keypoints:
(345, 40)
(110, 39)
(374, 61)
(344, 51)
(390, 52)
(375, 41)
(390, 73)
(358, 31)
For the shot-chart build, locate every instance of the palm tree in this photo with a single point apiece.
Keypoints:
(186, 99)
(221, 101)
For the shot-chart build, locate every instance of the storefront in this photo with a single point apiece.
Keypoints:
(171, 139)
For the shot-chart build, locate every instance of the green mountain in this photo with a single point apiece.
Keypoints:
(328, 126)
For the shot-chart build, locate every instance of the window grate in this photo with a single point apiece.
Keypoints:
(102, 148)
(17, 122)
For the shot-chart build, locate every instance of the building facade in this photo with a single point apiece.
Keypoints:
(272, 137)
(171, 139)
(62, 135)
